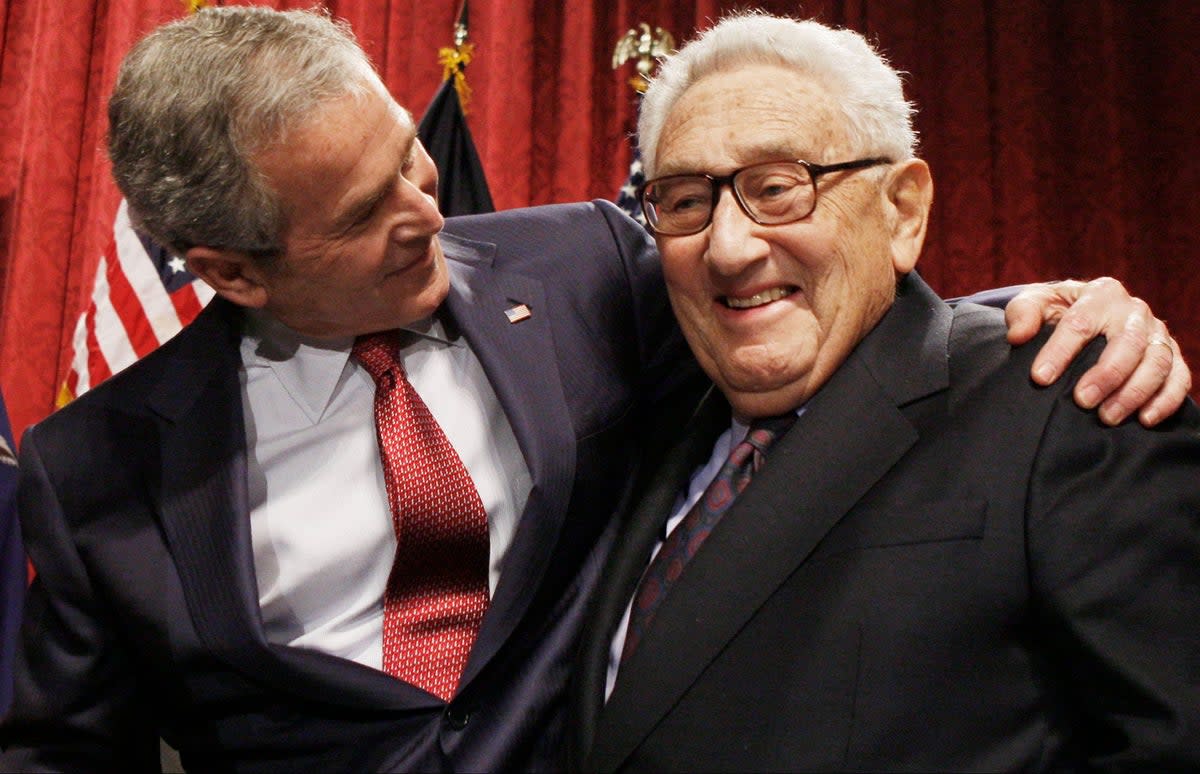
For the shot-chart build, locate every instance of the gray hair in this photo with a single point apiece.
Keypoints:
(196, 99)
(871, 96)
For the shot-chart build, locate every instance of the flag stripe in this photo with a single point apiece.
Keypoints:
(77, 373)
(190, 299)
(130, 311)
(186, 304)
(109, 332)
(144, 277)
(136, 334)
(97, 367)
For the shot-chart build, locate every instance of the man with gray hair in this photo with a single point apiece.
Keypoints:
(277, 548)
(350, 518)
(886, 549)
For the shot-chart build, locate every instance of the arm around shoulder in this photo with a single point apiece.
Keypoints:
(667, 363)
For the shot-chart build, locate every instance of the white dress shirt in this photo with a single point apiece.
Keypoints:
(319, 515)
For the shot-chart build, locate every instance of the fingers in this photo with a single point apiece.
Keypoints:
(1144, 383)
(1173, 392)
(1120, 360)
(1078, 325)
(1029, 309)
(1139, 370)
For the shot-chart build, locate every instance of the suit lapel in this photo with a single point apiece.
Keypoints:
(202, 497)
(520, 362)
(814, 475)
(204, 507)
(627, 562)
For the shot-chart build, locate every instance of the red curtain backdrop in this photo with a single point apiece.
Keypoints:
(1061, 134)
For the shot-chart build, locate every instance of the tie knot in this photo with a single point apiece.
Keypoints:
(765, 430)
(377, 354)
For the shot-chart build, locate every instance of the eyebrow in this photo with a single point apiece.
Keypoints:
(776, 151)
(356, 211)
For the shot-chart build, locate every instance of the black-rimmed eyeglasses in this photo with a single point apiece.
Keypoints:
(771, 194)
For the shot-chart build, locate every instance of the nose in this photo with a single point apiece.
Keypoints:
(423, 206)
(420, 217)
(424, 173)
(733, 244)
(418, 195)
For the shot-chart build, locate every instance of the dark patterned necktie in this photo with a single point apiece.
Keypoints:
(685, 540)
(438, 588)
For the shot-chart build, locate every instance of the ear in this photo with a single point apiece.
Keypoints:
(910, 195)
(235, 276)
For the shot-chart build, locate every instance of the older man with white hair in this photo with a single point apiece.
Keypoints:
(886, 548)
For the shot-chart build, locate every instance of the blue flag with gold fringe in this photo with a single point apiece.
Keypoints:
(443, 130)
(462, 187)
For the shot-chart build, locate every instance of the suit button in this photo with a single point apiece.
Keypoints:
(457, 717)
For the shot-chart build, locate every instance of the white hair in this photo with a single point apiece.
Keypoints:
(869, 91)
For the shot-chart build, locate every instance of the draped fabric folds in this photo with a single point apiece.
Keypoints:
(1060, 134)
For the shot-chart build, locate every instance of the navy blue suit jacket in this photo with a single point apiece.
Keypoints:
(144, 619)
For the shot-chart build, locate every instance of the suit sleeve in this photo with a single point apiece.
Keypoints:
(996, 297)
(667, 364)
(75, 694)
(1113, 525)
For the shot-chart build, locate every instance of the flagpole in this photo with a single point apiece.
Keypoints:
(454, 61)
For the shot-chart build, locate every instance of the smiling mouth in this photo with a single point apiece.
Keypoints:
(423, 258)
(758, 299)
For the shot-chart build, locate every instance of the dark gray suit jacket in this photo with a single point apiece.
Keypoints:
(144, 616)
(940, 567)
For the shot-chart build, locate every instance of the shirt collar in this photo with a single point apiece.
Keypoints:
(312, 370)
(438, 328)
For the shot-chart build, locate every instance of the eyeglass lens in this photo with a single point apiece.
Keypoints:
(771, 193)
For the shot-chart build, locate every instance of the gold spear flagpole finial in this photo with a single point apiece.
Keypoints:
(646, 48)
(454, 61)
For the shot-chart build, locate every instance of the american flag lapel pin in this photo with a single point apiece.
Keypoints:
(518, 313)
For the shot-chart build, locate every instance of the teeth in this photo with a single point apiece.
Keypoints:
(758, 299)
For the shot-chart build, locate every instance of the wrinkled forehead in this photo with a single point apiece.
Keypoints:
(401, 114)
(747, 115)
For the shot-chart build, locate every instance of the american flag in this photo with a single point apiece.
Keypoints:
(142, 296)
(627, 197)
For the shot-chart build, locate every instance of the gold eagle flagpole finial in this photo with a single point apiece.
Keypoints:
(644, 47)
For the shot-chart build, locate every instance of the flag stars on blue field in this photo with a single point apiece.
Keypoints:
(635, 174)
(627, 197)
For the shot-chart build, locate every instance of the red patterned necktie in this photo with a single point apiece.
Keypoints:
(438, 588)
(685, 540)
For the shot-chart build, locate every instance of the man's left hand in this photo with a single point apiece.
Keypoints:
(1141, 368)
